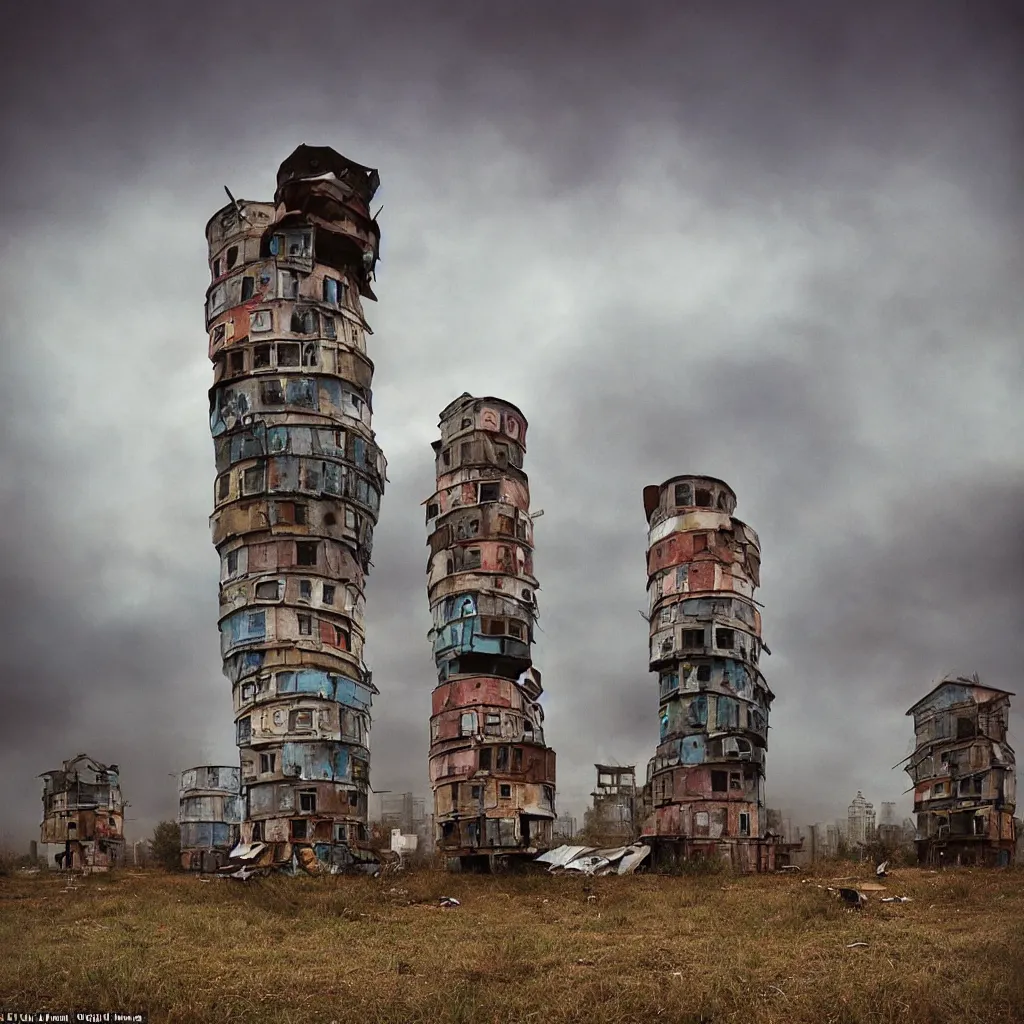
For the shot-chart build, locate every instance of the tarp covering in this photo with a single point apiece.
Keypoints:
(623, 860)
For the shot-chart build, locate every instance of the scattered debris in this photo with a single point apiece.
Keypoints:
(880, 870)
(895, 899)
(449, 901)
(854, 898)
(403, 968)
(585, 963)
(854, 945)
(623, 860)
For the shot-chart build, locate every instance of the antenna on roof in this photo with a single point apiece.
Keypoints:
(238, 206)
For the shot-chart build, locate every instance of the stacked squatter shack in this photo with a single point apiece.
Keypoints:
(297, 497)
(83, 816)
(964, 774)
(492, 776)
(706, 779)
(209, 816)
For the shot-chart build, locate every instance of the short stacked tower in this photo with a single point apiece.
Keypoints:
(492, 775)
(707, 778)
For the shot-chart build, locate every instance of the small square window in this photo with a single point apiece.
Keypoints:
(703, 498)
(724, 638)
(489, 492)
(492, 724)
(300, 720)
(719, 782)
(693, 637)
(328, 594)
(287, 354)
(305, 625)
(306, 552)
(505, 791)
(684, 495)
(703, 673)
(260, 321)
(236, 362)
(299, 828)
(305, 590)
(307, 803)
(252, 480)
(433, 510)
(700, 542)
(735, 780)
(267, 591)
(476, 792)
(266, 763)
(467, 723)
(271, 392)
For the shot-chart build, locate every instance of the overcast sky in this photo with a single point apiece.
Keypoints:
(782, 249)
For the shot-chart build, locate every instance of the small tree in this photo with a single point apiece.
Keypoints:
(165, 846)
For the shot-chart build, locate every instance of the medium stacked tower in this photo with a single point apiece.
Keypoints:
(707, 778)
(297, 496)
(209, 815)
(492, 776)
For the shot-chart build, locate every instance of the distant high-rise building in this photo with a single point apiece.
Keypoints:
(964, 774)
(860, 820)
(296, 499)
(706, 779)
(492, 775)
(888, 813)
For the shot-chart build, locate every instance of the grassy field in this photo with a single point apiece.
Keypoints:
(518, 949)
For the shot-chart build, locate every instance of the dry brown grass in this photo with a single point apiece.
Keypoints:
(519, 949)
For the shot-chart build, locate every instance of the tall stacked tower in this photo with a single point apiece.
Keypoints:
(209, 815)
(299, 482)
(492, 775)
(707, 777)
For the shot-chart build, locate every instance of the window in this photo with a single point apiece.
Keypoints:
(311, 476)
(305, 625)
(300, 515)
(465, 452)
(693, 637)
(489, 492)
(243, 730)
(260, 321)
(517, 759)
(216, 269)
(476, 792)
(724, 638)
(506, 526)
(703, 498)
(305, 590)
(467, 723)
(299, 828)
(252, 480)
(223, 487)
(939, 789)
(744, 823)
(300, 720)
(330, 330)
(257, 622)
(433, 510)
(267, 591)
(267, 763)
(271, 392)
(303, 321)
(703, 673)
(232, 562)
(683, 495)
(493, 627)
(735, 780)
(492, 724)
(287, 354)
(232, 257)
(305, 552)
(472, 559)
(446, 457)
(700, 542)
(485, 759)
(287, 284)
(504, 791)
(964, 728)
(248, 692)
(502, 762)
(310, 355)
(328, 594)
(334, 291)
(236, 362)
(248, 288)
(719, 782)
(516, 629)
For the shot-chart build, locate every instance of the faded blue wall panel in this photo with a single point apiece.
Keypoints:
(693, 750)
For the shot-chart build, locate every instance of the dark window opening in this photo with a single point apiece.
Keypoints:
(287, 355)
(330, 330)
(299, 828)
(305, 552)
(683, 494)
(502, 762)
(267, 591)
(307, 803)
(517, 759)
(271, 392)
(489, 492)
(303, 321)
(476, 792)
(236, 362)
(446, 457)
(506, 526)
(466, 422)
(328, 597)
(719, 782)
(703, 673)
(433, 510)
(485, 759)
(744, 823)
(248, 288)
(964, 728)
(505, 791)
(300, 515)
(330, 519)
(735, 780)
(310, 355)
(693, 637)
(306, 589)
(721, 501)
(703, 498)
(700, 542)
(216, 268)
(305, 625)
(223, 487)
(266, 763)
(252, 480)
(232, 256)
(724, 638)
(232, 561)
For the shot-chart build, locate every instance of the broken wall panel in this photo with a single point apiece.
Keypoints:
(492, 775)
(83, 816)
(299, 479)
(964, 775)
(705, 784)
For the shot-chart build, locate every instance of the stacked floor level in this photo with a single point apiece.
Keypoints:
(492, 775)
(209, 815)
(707, 777)
(297, 496)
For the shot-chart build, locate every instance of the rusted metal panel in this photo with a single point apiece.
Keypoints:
(492, 775)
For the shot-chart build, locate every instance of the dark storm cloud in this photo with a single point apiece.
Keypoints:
(775, 243)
